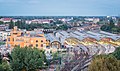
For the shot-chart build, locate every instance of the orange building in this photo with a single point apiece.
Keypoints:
(26, 38)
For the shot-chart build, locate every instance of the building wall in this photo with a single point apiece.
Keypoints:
(38, 42)
(3, 35)
(17, 39)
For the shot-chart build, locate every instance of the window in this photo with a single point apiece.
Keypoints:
(36, 40)
(8, 39)
(41, 40)
(8, 45)
(36, 45)
(41, 45)
(15, 33)
(31, 45)
(31, 41)
(18, 44)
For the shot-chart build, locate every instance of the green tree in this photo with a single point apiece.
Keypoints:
(27, 59)
(62, 27)
(116, 53)
(104, 63)
(1, 22)
(110, 27)
(115, 30)
(58, 22)
(11, 25)
(2, 43)
(55, 55)
(112, 24)
(5, 66)
(21, 24)
(18, 24)
(0, 58)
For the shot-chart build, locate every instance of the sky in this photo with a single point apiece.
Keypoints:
(59, 7)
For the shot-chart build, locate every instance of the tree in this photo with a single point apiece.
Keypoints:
(11, 25)
(20, 24)
(114, 30)
(0, 58)
(116, 53)
(58, 22)
(1, 22)
(2, 43)
(104, 63)
(112, 24)
(55, 55)
(110, 27)
(119, 22)
(106, 28)
(62, 27)
(5, 66)
(27, 59)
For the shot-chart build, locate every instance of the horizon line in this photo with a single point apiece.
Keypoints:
(61, 15)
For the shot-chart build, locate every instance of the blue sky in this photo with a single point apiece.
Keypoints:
(59, 7)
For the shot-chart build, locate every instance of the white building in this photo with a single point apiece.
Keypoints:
(3, 35)
(28, 22)
(6, 19)
(89, 19)
(14, 20)
(96, 20)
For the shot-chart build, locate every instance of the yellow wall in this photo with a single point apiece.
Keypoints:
(25, 40)
(41, 41)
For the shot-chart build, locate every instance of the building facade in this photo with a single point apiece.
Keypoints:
(3, 35)
(4, 27)
(26, 38)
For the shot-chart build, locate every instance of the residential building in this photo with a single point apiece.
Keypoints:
(3, 35)
(38, 21)
(4, 27)
(26, 38)
(6, 19)
(95, 20)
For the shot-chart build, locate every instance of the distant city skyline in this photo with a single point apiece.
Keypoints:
(59, 7)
